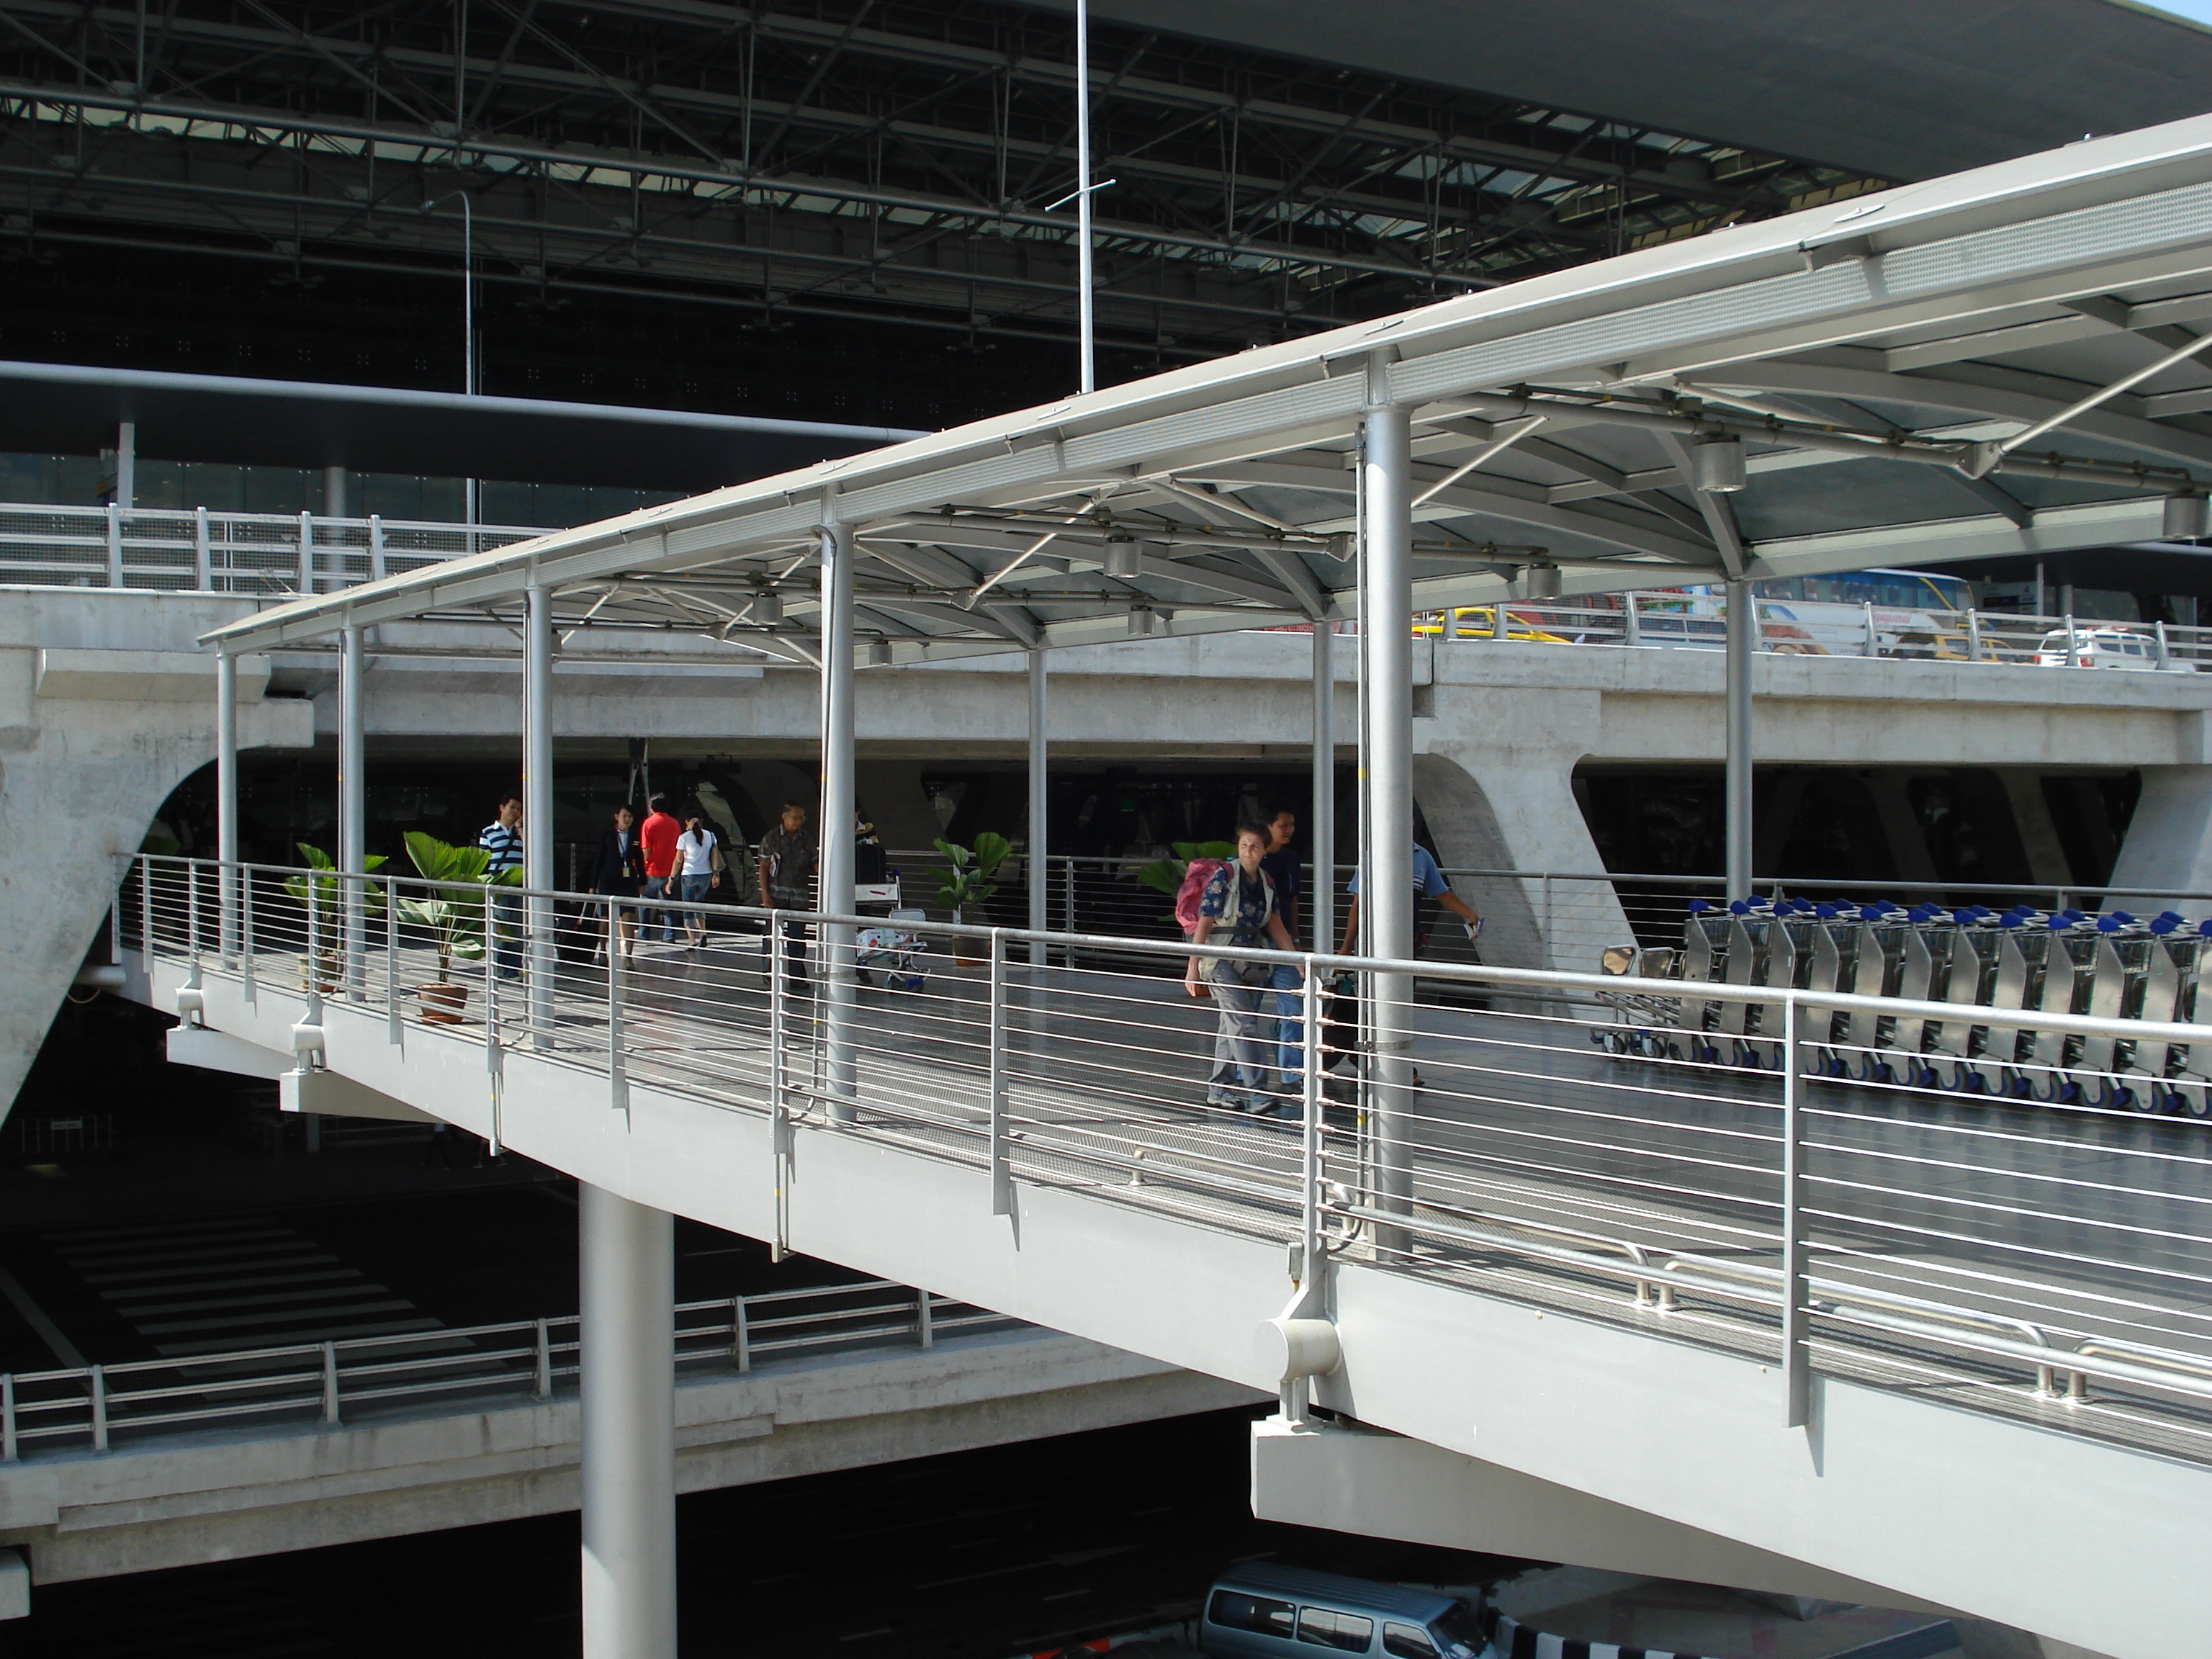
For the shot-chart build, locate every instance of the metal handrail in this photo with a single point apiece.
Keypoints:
(94, 1406)
(1328, 963)
(1211, 1172)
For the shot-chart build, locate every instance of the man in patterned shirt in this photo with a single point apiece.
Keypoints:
(502, 839)
(1239, 904)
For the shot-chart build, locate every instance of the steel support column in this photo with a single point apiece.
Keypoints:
(835, 835)
(226, 796)
(1743, 639)
(1040, 804)
(353, 802)
(627, 1389)
(537, 804)
(1321, 827)
(1386, 859)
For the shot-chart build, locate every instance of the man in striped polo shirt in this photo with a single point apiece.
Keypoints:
(502, 839)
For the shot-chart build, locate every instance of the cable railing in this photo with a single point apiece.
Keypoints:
(348, 1379)
(197, 550)
(1532, 918)
(1676, 620)
(1795, 1196)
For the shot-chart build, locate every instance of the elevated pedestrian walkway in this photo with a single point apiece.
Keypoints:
(1869, 1331)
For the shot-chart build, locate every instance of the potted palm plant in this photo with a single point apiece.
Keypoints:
(454, 916)
(324, 897)
(967, 884)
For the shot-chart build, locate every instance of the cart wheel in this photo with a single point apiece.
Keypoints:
(2195, 1100)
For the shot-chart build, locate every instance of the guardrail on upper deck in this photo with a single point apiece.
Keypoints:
(197, 551)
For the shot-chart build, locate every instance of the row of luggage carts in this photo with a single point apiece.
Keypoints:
(2067, 962)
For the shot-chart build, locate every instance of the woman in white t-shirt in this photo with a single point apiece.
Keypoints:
(699, 864)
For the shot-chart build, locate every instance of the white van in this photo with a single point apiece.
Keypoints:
(1260, 1611)
(2098, 647)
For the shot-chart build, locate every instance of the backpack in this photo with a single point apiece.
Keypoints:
(1195, 880)
(1195, 875)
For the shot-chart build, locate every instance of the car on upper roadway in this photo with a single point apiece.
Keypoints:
(1478, 621)
(2101, 647)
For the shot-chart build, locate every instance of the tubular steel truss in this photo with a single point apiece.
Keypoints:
(894, 160)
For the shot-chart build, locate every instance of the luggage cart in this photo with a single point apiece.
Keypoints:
(1640, 1019)
(2182, 1078)
(892, 954)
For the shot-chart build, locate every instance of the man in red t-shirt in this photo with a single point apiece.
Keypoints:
(656, 839)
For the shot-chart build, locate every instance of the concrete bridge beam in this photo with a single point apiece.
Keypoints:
(106, 705)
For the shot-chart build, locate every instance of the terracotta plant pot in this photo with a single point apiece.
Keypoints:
(326, 976)
(442, 1004)
(968, 952)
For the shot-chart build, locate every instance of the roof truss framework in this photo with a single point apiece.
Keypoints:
(899, 159)
(1221, 496)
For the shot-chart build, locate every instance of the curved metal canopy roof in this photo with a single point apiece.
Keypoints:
(1880, 361)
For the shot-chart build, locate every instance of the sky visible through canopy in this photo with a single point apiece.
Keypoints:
(2197, 11)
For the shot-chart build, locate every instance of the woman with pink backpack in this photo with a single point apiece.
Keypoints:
(1239, 901)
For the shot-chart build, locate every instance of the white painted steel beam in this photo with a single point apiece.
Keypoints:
(538, 648)
(628, 1396)
(834, 835)
(225, 797)
(353, 802)
(1385, 850)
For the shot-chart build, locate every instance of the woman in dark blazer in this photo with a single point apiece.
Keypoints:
(616, 868)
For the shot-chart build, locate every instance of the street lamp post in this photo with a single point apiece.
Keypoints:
(469, 385)
(1083, 279)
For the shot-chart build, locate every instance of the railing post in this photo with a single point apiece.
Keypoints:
(8, 1447)
(1873, 633)
(1002, 1175)
(741, 1336)
(114, 544)
(1973, 637)
(99, 1409)
(393, 1022)
(617, 1078)
(779, 1080)
(925, 1331)
(1632, 633)
(376, 547)
(146, 908)
(1309, 1151)
(246, 930)
(307, 553)
(1067, 923)
(1796, 1314)
(192, 913)
(315, 935)
(2165, 651)
(543, 1388)
(329, 1382)
(202, 552)
(2073, 643)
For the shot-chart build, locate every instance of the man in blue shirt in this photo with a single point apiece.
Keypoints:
(1429, 882)
(502, 839)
